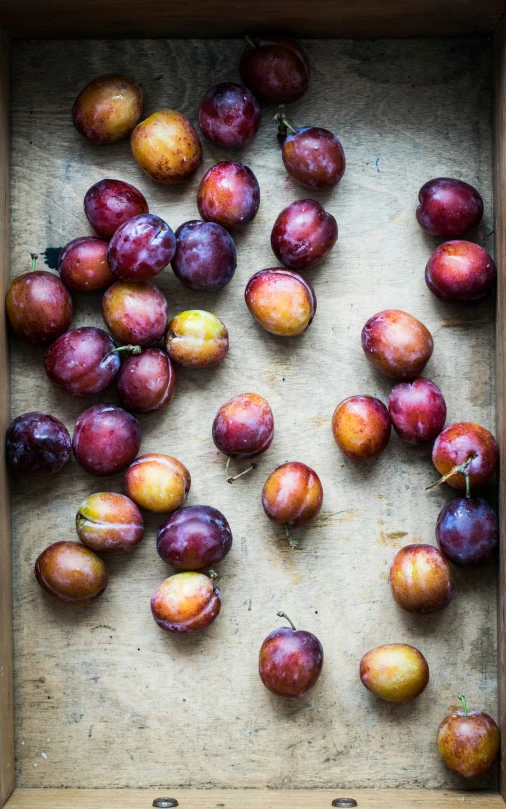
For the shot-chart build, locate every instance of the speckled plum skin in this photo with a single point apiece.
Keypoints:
(467, 531)
(205, 257)
(196, 339)
(167, 147)
(421, 579)
(157, 483)
(397, 344)
(417, 410)
(135, 313)
(468, 745)
(229, 195)
(303, 234)
(194, 537)
(395, 672)
(361, 427)
(110, 203)
(106, 439)
(185, 603)
(229, 115)
(71, 573)
(147, 382)
(281, 301)
(314, 157)
(108, 108)
(456, 444)
(276, 70)
(244, 426)
(290, 662)
(82, 361)
(292, 494)
(141, 248)
(448, 208)
(37, 444)
(83, 266)
(107, 522)
(460, 271)
(39, 306)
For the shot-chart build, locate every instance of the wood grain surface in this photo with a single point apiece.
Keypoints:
(103, 697)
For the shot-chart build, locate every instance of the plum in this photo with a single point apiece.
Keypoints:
(395, 672)
(292, 495)
(467, 531)
(110, 203)
(397, 344)
(448, 208)
(281, 301)
(108, 108)
(205, 257)
(194, 537)
(314, 157)
(146, 382)
(275, 68)
(83, 266)
(141, 248)
(109, 523)
(186, 602)
(361, 427)
(196, 339)
(135, 312)
(417, 410)
(421, 579)
(468, 741)
(39, 306)
(290, 661)
(244, 426)
(229, 195)
(157, 483)
(71, 573)
(465, 454)
(167, 147)
(229, 115)
(37, 444)
(106, 439)
(460, 271)
(303, 234)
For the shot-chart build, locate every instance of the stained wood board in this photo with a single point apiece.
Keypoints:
(103, 697)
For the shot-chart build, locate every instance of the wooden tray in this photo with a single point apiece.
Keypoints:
(109, 711)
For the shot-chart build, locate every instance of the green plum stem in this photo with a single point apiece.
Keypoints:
(132, 349)
(292, 542)
(249, 41)
(244, 472)
(459, 469)
(464, 703)
(281, 119)
(214, 578)
(285, 616)
(34, 257)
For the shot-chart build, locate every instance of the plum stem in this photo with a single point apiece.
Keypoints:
(283, 124)
(285, 616)
(468, 484)
(34, 257)
(148, 81)
(244, 472)
(132, 349)
(458, 469)
(249, 41)
(464, 703)
(292, 542)
(227, 468)
(214, 578)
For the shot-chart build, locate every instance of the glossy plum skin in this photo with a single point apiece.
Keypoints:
(157, 483)
(108, 108)
(83, 266)
(106, 439)
(467, 531)
(456, 444)
(194, 537)
(395, 672)
(196, 339)
(244, 426)
(135, 313)
(71, 573)
(37, 444)
(229, 195)
(361, 428)
(141, 248)
(146, 382)
(109, 523)
(421, 579)
(185, 603)
(290, 662)
(82, 361)
(39, 306)
(167, 147)
(397, 344)
(281, 301)
(276, 70)
(292, 494)
(417, 410)
(314, 157)
(110, 203)
(303, 234)
(468, 745)
(205, 257)
(448, 208)
(460, 271)
(229, 115)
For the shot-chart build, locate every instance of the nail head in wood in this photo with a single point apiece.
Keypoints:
(342, 802)
(165, 803)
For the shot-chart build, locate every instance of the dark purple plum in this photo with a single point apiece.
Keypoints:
(290, 661)
(448, 208)
(228, 194)
(314, 157)
(141, 248)
(303, 234)
(275, 68)
(417, 410)
(110, 203)
(37, 444)
(106, 439)
(229, 115)
(146, 381)
(194, 537)
(467, 531)
(205, 257)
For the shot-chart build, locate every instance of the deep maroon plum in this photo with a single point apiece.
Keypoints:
(135, 312)
(37, 444)
(275, 69)
(303, 234)
(460, 271)
(194, 537)
(205, 257)
(417, 410)
(110, 203)
(290, 661)
(141, 248)
(229, 115)
(314, 157)
(147, 381)
(228, 194)
(106, 439)
(83, 266)
(244, 426)
(467, 531)
(448, 208)
(39, 306)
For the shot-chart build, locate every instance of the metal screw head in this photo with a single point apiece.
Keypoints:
(165, 803)
(344, 802)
